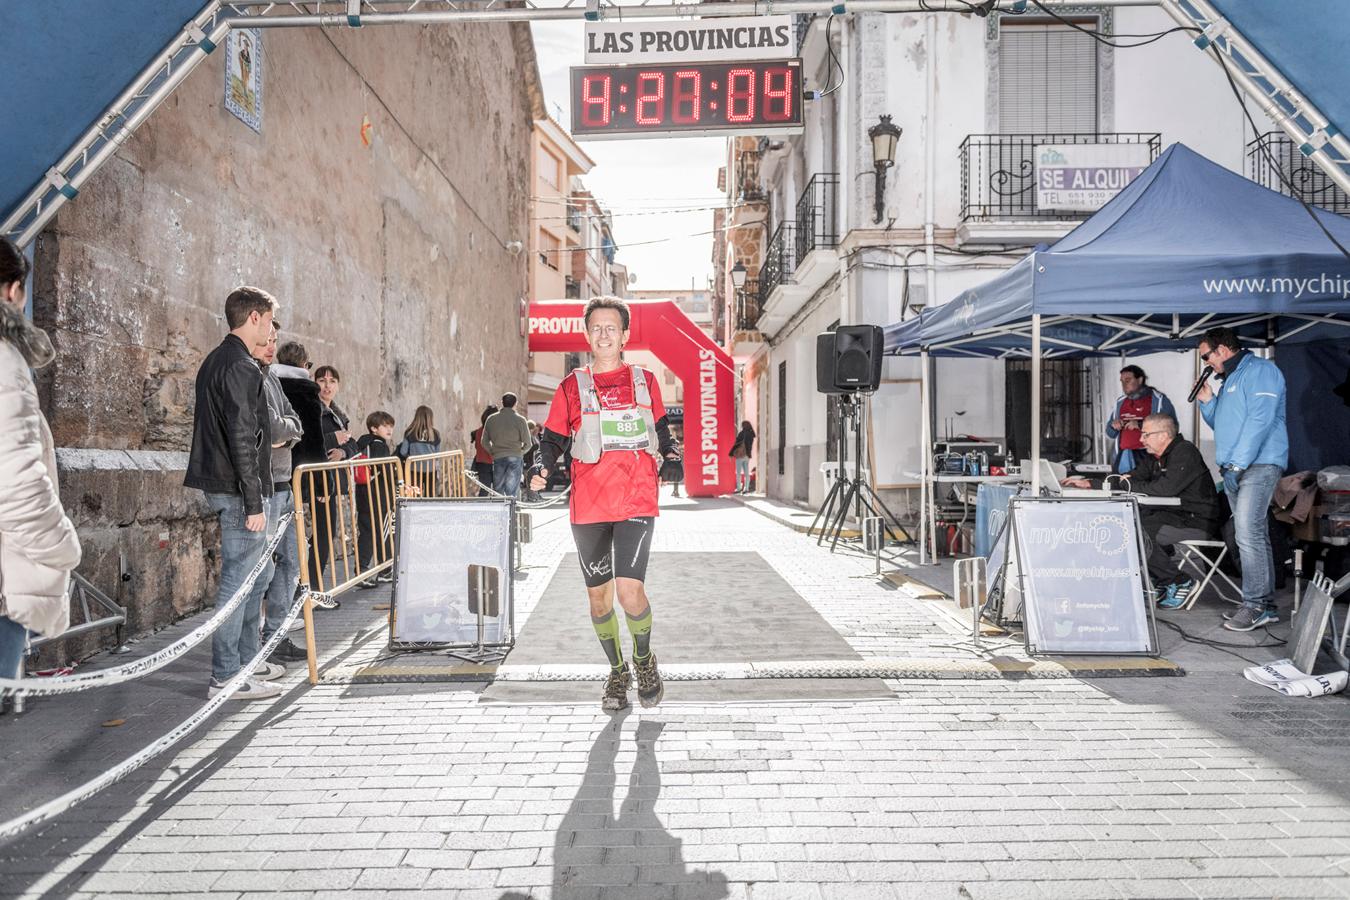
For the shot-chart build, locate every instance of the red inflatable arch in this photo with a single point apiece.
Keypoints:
(707, 372)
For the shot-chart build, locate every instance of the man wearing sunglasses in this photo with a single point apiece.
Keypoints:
(1251, 446)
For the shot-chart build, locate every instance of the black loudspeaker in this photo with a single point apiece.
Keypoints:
(848, 359)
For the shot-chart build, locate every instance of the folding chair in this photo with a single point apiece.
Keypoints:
(1194, 553)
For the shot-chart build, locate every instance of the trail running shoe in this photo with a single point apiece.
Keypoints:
(650, 688)
(617, 684)
(1177, 595)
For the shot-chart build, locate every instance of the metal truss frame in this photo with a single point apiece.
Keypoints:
(63, 180)
(1314, 134)
(118, 122)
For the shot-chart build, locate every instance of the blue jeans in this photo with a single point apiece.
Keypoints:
(506, 473)
(286, 565)
(743, 474)
(1250, 500)
(235, 642)
(13, 640)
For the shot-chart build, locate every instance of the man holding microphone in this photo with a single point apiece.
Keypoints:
(1251, 447)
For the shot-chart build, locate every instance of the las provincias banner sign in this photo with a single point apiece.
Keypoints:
(696, 40)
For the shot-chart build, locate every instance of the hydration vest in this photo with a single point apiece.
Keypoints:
(587, 441)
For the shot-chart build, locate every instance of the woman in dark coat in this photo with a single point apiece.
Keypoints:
(743, 450)
(339, 444)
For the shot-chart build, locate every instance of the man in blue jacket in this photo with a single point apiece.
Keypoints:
(1251, 447)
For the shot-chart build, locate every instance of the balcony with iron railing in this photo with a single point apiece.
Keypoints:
(780, 260)
(748, 187)
(998, 173)
(1275, 161)
(747, 306)
(817, 221)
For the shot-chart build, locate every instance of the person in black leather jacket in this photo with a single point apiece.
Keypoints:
(231, 450)
(231, 462)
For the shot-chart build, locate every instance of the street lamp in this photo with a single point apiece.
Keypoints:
(884, 137)
(738, 276)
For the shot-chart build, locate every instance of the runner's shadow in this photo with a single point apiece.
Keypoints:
(593, 843)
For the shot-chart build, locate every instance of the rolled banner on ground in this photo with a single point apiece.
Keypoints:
(1281, 676)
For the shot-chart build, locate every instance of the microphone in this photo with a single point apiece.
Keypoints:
(1200, 382)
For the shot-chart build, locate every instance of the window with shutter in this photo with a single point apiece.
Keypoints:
(1047, 75)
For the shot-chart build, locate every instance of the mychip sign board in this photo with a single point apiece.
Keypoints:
(452, 558)
(1082, 576)
(1085, 176)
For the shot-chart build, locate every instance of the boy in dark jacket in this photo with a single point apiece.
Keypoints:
(375, 498)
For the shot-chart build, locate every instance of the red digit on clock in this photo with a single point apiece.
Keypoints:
(688, 97)
(651, 87)
(595, 100)
(777, 94)
(740, 95)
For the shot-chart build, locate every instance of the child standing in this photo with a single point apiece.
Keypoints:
(375, 497)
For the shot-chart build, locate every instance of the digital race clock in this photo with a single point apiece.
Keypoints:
(687, 99)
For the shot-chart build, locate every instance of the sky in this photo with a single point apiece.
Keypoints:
(640, 179)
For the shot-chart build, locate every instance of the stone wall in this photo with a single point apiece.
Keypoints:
(388, 259)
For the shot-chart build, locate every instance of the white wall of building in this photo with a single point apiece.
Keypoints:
(1167, 87)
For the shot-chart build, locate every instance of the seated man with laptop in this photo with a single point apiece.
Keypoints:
(1172, 467)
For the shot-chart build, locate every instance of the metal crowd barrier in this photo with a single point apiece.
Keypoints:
(345, 520)
(436, 475)
(347, 509)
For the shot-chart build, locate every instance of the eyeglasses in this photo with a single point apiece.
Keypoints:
(599, 330)
(1144, 434)
(1204, 357)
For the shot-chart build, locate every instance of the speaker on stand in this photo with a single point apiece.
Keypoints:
(848, 363)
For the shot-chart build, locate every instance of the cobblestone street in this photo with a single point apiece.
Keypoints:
(960, 787)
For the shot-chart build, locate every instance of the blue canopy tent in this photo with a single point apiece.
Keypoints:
(1187, 246)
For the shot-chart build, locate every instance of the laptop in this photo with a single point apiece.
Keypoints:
(1052, 473)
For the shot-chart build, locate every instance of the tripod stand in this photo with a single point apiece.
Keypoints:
(855, 491)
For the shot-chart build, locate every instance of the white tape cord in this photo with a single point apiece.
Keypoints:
(543, 504)
(53, 808)
(69, 684)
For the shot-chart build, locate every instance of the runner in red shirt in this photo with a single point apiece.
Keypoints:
(611, 416)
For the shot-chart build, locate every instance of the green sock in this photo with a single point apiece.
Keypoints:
(640, 627)
(607, 629)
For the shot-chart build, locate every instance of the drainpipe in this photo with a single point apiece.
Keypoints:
(843, 118)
